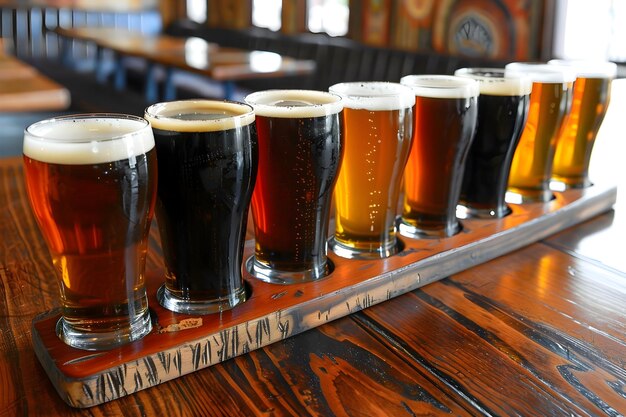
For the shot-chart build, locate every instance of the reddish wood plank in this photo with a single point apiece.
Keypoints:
(556, 341)
(274, 312)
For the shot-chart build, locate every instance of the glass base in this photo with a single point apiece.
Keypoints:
(516, 196)
(275, 276)
(467, 212)
(139, 327)
(350, 252)
(201, 307)
(562, 185)
(415, 232)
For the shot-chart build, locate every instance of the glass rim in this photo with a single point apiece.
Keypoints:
(30, 130)
(588, 68)
(225, 121)
(541, 72)
(374, 95)
(441, 86)
(497, 81)
(327, 103)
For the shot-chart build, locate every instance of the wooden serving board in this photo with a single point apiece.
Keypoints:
(181, 344)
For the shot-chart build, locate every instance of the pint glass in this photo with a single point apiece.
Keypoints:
(502, 112)
(550, 102)
(300, 150)
(92, 180)
(378, 120)
(445, 120)
(207, 158)
(592, 91)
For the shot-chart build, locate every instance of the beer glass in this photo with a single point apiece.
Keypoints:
(300, 150)
(550, 102)
(445, 120)
(378, 120)
(502, 111)
(592, 91)
(207, 158)
(91, 181)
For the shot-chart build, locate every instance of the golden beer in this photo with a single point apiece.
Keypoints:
(378, 120)
(592, 91)
(92, 183)
(550, 102)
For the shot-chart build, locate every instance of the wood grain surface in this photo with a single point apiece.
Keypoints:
(535, 332)
(194, 55)
(22, 88)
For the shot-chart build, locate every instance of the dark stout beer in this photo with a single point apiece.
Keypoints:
(300, 149)
(207, 158)
(445, 119)
(502, 111)
(92, 185)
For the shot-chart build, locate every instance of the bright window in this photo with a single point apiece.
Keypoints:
(196, 10)
(591, 30)
(267, 14)
(330, 16)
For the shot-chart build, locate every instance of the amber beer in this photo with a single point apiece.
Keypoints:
(207, 158)
(300, 149)
(92, 180)
(592, 91)
(502, 111)
(445, 120)
(378, 120)
(550, 102)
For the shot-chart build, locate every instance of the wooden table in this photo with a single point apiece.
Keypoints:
(195, 55)
(538, 332)
(22, 88)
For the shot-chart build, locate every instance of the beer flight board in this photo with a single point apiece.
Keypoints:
(180, 344)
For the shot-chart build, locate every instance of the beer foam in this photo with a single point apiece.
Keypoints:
(541, 73)
(88, 139)
(588, 69)
(374, 95)
(294, 103)
(199, 115)
(441, 86)
(495, 81)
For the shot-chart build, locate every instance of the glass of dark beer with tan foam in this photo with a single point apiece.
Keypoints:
(300, 149)
(92, 180)
(207, 153)
(445, 119)
(502, 111)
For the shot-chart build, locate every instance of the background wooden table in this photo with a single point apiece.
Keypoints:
(538, 332)
(195, 55)
(22, 88)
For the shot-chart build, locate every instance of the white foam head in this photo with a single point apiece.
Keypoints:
(588, 69)
(496, 82)
(199, 115)
(373, 95)
(541, 73)
(441, 86)
(88, 139)
(294, 103)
